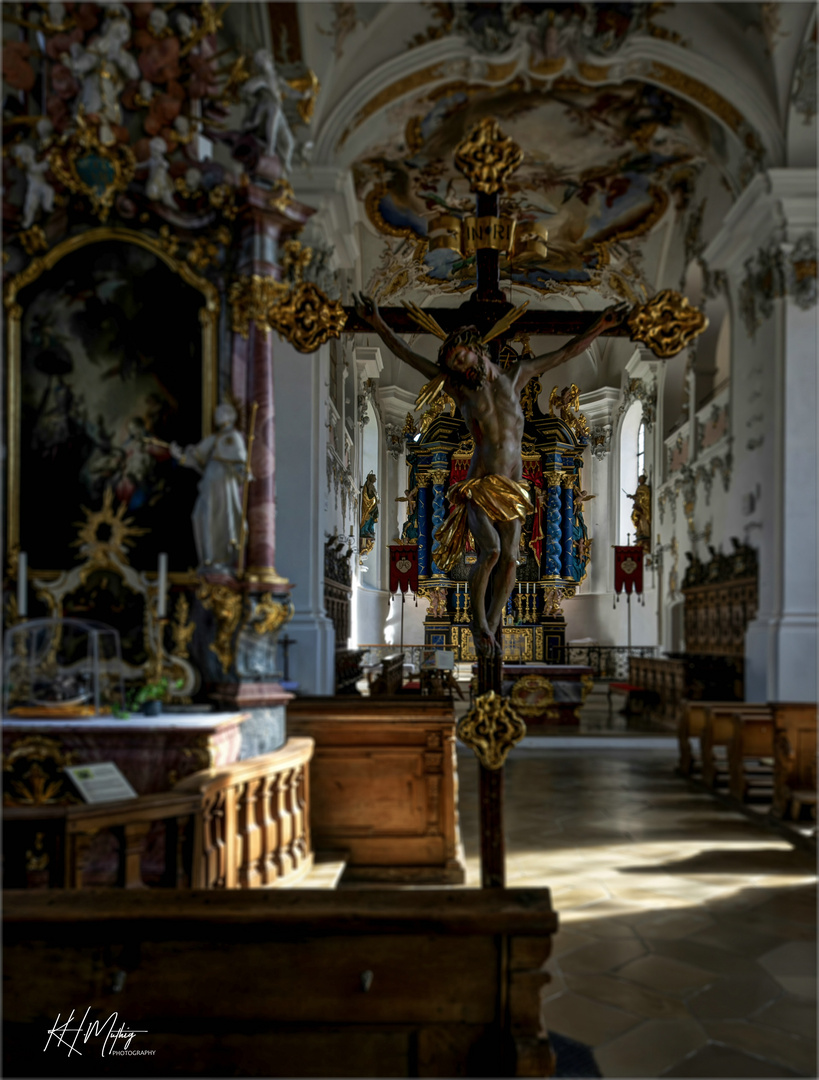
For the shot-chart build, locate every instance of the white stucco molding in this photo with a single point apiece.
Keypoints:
(368, 361)
(395, 402)
(598, 405)
(777, 205)
(332, 191)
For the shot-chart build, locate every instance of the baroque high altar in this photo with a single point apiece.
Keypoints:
(555, 545)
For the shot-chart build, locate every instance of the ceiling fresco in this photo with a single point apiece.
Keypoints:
(602, 166)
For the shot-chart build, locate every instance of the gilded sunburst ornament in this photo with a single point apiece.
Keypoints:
(106, 533)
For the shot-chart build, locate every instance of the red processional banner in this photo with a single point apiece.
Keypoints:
(628, 569)
(403, 567)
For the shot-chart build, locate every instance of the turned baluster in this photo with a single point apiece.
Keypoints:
(249, 839)
(269, 829)
(283, 857)
(136, 833)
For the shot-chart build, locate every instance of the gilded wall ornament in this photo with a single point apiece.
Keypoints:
(307, 318)
(487, 158)
(33, 240)
(568, 402)
(226, 605)
(667, 323)
(490, 729)
(106, 533)
(251, 298)
(82, 163)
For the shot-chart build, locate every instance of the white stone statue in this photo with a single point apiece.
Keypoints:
(102, 69)
(217, 514)
(39, 193)
(264, 92)
(160, 186)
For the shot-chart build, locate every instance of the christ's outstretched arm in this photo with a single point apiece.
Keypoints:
(538, 365)
(367, 309)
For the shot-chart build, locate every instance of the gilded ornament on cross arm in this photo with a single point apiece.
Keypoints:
(491, 728)
(667, 323)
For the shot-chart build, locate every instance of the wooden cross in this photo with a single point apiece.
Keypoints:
(487, 158)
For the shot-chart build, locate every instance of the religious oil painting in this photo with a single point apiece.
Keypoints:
(110, 372)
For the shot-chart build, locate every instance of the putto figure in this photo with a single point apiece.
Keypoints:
(493, 501)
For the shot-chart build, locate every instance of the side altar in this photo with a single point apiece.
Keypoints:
(555, 546)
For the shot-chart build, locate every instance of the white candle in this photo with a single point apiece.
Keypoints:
(162, 586)
(22, 585)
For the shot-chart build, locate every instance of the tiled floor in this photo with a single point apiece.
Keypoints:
(687, 942)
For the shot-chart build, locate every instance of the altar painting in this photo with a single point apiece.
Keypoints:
(110, 370)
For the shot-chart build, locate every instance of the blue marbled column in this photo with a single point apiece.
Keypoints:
(439, 478)
(567, 530)
(554, 548)
(423, 528)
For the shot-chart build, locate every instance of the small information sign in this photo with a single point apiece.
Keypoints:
(101, 782)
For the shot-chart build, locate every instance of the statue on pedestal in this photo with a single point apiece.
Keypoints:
(264, 92)
(217, 514)
(641, 514)
(369, 515)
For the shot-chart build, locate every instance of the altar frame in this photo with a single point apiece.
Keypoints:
(209, 322)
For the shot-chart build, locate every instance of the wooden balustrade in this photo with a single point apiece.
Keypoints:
(239, 826)
(254, 825)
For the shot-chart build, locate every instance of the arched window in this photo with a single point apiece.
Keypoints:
(632, 464)
(641, 449)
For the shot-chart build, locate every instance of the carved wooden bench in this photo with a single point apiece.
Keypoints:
(390, 678)
(750, 754)
(794, 759)
(715, 736)
(296, 982)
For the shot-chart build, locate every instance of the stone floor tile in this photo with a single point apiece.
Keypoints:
(666, 976)
(578, 895)
(724, 936)
(789, 1014)
(622, 994)
(799, 985)
(650, 1049)
(602, 956)
(566, 941)
(779, 1046)
(717, 961)
(796, 958)
(734, 998)
(586, 1020)
(714, 1060)
(672, 924)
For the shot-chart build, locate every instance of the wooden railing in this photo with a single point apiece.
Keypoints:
(239, 826)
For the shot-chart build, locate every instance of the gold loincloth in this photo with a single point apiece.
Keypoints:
(500, 499)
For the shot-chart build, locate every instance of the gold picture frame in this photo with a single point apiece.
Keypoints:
(209, 323)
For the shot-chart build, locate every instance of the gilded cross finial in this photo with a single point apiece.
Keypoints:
(487, 157)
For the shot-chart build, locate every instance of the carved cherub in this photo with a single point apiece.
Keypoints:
(39, 193)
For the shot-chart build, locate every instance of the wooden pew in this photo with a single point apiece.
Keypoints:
(298, 982)
(750, 754)
(390, 678)
(384, 785)
(794, 759)
(716, 734)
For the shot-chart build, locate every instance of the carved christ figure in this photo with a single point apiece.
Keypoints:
(492, 502)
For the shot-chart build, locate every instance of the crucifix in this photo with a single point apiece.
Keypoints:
(492, 502)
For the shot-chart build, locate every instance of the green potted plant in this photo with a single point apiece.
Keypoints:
(148, 698)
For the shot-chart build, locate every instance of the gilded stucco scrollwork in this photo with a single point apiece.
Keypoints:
(667, 323)
(491, 729)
